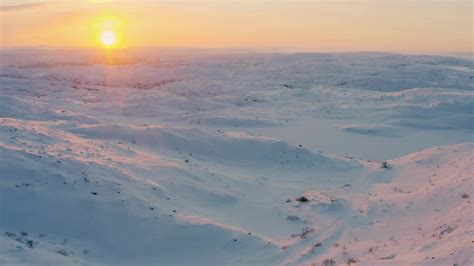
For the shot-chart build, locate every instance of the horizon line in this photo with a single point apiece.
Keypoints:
(244, 49)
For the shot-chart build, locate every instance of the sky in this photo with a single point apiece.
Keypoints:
(306, 25)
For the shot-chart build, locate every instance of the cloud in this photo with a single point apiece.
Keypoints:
(22, 6)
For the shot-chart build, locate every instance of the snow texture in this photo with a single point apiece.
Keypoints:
(199, 157)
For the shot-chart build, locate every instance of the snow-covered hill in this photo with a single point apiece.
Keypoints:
(179, 157)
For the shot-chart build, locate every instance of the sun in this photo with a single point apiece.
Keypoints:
(108, 38)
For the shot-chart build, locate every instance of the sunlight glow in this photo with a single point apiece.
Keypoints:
(108, 30)
(309, 25)
(108, 38)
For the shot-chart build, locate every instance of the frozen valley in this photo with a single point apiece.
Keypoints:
(204, 157)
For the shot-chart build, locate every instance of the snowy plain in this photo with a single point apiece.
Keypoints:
(166, 156)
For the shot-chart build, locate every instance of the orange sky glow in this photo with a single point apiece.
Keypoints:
(398, 26)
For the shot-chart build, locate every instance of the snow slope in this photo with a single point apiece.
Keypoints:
(201, 157)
